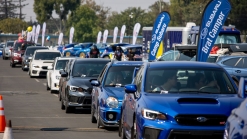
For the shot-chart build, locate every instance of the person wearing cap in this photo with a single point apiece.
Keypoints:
(118, 54)
(130, 55)
(94, 52)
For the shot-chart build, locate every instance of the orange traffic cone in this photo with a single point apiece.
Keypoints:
(8, 131)
(2, 116)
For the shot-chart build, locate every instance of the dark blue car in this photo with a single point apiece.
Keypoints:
(178, 100)
(72, 51)
(108, 92)
(236, 125)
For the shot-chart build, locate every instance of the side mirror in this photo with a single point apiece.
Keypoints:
(64, 74)
(95, 83)
(130, 88)
(61, 71)
(242, 89)
(49, 68)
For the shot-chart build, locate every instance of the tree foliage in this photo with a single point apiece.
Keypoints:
(12, 25)
(84, 20)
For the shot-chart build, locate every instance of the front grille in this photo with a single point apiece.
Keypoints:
(44, 67)
(90, 90)
(187, 134)
(111, 116)
(201, 120)
(42, 73)
(85, 100)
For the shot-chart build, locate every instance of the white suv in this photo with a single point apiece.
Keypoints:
(41, 60)
(53, 74)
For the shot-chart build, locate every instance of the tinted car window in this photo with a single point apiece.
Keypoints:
(60, 64)
(46, 55)
(30, 52)
(245, 63)
(192, 81)
(88, 69)
(119, 75)
(10, 44)
(239, 63)
(231, 62)
(19, 46)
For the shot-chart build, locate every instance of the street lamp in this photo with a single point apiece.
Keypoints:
(61, 11)
(130, 16)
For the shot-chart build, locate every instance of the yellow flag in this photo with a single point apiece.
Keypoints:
(160, 50)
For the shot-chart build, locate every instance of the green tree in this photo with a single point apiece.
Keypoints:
(44, 8)
(85, 21)
(138, 16)
(12, 25)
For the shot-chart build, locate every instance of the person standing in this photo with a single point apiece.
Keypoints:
(118, 54)
(94, 52)
(131, 55)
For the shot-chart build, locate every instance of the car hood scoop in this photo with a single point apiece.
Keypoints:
(197, 101)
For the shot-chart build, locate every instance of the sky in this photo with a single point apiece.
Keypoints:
(115, 5)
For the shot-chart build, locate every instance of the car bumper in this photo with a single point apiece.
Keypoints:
(7, 54)
(157, 129)
(55, 84)
(38, 72)
(81, 100)
(17, 60)
(110, 117)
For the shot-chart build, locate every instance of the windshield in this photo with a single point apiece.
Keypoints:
(61, 64)
(88, 69)
(46, 55)
(188, 81)
(30, 52)
(119, 76)
(226, 39)
(10, 44)
(169, 56)
(21, 46)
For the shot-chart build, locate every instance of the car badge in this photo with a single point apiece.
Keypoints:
(201, 119)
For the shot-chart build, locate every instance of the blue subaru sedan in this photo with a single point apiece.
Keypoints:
(108, 92)
(236, 125)
(178, 100)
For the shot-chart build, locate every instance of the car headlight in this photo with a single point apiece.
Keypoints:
(35, 66)
(73, 88)
(58, 77)
(112, 102)
(152, 115)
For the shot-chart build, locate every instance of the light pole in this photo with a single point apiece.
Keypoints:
(130, 16)
(160, 6)
(61, 11)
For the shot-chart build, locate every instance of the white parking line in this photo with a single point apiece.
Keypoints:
(55, 95)
(44, 84)
(37, 80)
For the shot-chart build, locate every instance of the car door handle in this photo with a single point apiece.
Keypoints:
(238, 71)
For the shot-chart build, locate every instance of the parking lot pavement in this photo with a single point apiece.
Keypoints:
(35, 113)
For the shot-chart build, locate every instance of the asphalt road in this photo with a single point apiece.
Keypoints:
(35, 112)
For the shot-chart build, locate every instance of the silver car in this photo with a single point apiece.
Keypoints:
(6, 49)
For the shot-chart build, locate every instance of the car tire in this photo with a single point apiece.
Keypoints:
(93, 119)
(68, 109)
(67, 54)
(62, 105)
(133, 130)
(47, 87)
(99, 124)
(3, 57)
(12, 65)
(121, 132)
(106, 57)
(82, 55)
(30, 75)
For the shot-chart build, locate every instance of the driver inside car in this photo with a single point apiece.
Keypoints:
(117, 79)
(200, 81)
(81, 71)
(169, 82)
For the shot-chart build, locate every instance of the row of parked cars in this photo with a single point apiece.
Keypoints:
(152, 100)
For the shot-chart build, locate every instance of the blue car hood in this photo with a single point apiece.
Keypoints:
(117, 92)
(185, 104)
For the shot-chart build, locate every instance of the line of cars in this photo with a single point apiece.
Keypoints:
(182, 99)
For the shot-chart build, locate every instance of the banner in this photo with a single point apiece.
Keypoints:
(159, 29)
(99, 37)
(122, 33)
(43, 33)
(214, 16)
(71, 34)
(105, 35)
(115, 32)
(33, 33)
(160, 50)
(60, 39)
(136, 32)
(37, 33)
(29, 35)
